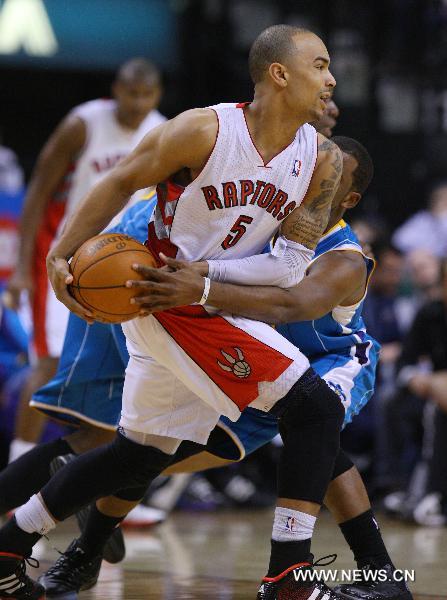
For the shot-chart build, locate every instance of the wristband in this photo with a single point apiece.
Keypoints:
(206, 290)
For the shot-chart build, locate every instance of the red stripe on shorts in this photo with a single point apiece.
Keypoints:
(234, 360)
(44, 239)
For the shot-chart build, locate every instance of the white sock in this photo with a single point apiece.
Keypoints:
(292, 525)
(19, 447)
(33, 517)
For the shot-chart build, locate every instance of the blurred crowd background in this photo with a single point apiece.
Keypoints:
(390, 61)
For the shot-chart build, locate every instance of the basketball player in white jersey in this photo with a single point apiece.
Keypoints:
(244, 173)
(88, 142)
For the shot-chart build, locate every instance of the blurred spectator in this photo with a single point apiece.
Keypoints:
(424, 271)
(421, 284)
(427, 228)
(381, 315)
(424, 372)
(370, 230)
(13, 337)
(380, 312)
(11, 202)
(11, 173)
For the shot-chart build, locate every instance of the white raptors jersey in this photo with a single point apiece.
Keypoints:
(107, 142)
(237, 203)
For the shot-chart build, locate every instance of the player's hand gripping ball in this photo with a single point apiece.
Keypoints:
(100, 269)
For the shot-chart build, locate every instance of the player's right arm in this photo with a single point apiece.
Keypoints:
(52, 164)
(185, 141)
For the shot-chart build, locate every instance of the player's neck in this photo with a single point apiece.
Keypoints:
(125, 121)
(271, 130)
(334, 218)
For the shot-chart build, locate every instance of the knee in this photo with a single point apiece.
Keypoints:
(317, 405)
(141, 463)
(88, 437)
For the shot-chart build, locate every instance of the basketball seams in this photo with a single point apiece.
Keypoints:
(100, 312)
(108, 256)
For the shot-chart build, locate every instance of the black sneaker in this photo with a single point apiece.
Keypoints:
(14, 582)
(295, 584)
(115, 549)
(374, 588)
(72, 572)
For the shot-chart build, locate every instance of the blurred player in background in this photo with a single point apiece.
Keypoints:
(88, 142)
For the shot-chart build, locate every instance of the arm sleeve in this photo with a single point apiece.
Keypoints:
(284, 266)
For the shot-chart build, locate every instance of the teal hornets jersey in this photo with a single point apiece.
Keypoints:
(341, 329)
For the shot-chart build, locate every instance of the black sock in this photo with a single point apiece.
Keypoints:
(16, 541)
(287, 554)
(365, 540)
(99, 527)
(26, 475)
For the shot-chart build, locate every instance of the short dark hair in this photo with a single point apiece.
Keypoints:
(272, 45)
(361, 177)
(138, 69)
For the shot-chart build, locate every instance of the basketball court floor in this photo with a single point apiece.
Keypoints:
(223, 556)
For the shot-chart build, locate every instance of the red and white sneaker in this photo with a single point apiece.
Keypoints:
(144, 516)
(296, 583)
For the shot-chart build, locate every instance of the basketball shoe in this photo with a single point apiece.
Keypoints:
(73, 572)
(115, 549)
(14, 582)
(298, 582)
(376, 589)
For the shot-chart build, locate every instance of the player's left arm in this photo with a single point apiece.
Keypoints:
(336, 278)
(299, 234)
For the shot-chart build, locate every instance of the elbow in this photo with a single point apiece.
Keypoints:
(287, 312)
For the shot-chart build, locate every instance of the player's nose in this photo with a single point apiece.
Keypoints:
(330, 80)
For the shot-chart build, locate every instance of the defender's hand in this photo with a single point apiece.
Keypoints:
(60, 278)
(178, 284)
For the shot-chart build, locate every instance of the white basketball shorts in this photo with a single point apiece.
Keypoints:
(188, 367)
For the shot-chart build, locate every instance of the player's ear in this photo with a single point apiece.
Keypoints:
(278, 73)
(351, 199)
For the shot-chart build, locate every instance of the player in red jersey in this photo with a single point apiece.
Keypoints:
(265, 151)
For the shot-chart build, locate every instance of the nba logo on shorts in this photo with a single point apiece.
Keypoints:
(338, 390)
(291, 524)
(296, 168)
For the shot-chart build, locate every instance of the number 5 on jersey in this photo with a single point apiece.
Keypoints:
(236, 232)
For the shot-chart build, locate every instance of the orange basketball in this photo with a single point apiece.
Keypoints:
(100, 269)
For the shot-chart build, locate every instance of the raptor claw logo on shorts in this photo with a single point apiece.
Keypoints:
(238, 365)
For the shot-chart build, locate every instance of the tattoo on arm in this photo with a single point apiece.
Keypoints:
(307, 223)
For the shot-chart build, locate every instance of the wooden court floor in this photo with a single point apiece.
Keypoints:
(223, 556)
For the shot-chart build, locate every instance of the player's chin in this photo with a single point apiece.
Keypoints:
(316, 115)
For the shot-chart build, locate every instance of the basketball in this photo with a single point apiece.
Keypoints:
(100, 269)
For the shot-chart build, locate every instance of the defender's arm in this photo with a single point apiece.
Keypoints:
(336, 278)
